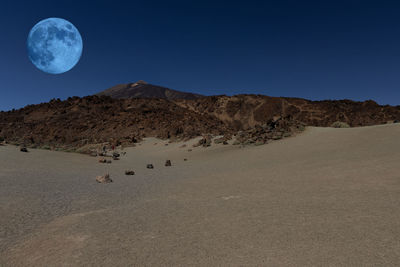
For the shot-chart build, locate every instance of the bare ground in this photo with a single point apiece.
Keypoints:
(327, 197)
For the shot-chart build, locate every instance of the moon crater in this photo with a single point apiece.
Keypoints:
(54, 45)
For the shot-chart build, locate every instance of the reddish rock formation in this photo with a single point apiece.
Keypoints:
(77, 122)
(247, 111)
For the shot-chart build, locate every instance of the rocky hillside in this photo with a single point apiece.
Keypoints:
(247, 119)
(247, 111)
(142, 89)
(80, 121)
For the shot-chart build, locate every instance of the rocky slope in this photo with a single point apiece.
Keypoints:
(80, 121)
(76, 122)
(247, 111)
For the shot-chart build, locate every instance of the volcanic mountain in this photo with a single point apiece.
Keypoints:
(142, 89)
(127, 113)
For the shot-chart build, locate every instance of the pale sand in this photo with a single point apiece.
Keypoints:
(328, 197)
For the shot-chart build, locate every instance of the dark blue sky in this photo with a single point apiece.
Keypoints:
(310, 49)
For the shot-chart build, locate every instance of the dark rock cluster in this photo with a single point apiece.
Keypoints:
(273, 130)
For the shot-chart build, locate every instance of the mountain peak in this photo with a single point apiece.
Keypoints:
(140, 82)
(142, 89)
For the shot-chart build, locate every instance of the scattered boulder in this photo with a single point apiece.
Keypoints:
(340, 124)
(150, 166)
(287, 134)
(277, 128)
(184, 159)
(219, 140)
(129, 172)
(205, 141)
(259, 143)
(115, 155)
(23, 149)
(167, 163)
(105, 179)
(277, 137)
(102, 160)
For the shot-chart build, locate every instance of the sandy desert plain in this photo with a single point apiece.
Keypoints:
(327, 197)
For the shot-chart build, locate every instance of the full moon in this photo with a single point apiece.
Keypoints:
(54, 45)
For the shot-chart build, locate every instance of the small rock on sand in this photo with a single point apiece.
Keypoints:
(23, 149)
(104, 179)
(167, 163)
(129, 172)
(150, 166)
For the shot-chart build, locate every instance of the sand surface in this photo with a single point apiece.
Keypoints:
(327, 197)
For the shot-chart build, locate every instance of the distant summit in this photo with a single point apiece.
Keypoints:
(142, 89)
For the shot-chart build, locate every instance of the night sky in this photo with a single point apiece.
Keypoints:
(310, 49)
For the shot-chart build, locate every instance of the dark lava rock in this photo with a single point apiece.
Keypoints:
(205, 141)
(168, 163)
(129, 172)
(150, 166)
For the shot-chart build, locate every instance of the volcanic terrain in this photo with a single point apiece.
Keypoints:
(126, 117)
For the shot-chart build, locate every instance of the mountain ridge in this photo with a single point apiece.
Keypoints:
(250, 119)
(142, 89)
